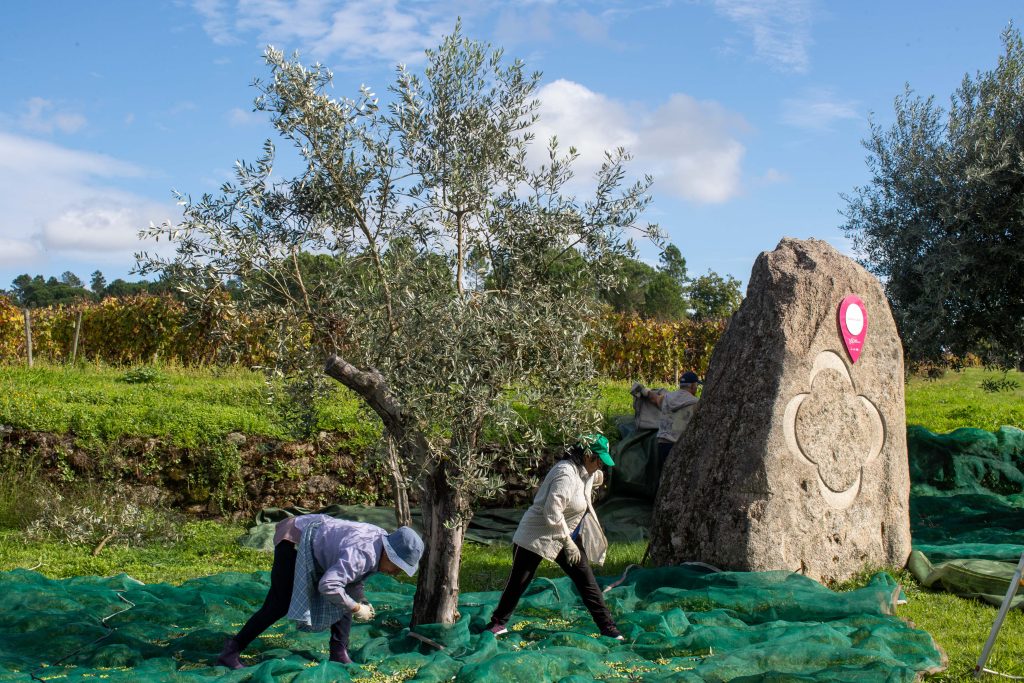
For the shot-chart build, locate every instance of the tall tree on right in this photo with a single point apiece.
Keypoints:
(942, 220)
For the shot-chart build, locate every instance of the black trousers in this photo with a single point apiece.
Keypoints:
(524, 568)
(275, 605)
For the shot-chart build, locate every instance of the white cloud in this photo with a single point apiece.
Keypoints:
(818, 109)
(107, 225)
(40, 116)
(584, 119)
(60, 202)
(688, 145)
(15, 251)
(35, 158)
(381, 30)
(243, 117)
(773, 176)
(691, 146)
(215, 20)
(780, 29)
(354, 30)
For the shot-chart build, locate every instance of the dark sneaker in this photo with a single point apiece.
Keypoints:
(497, 630)
(229, 656)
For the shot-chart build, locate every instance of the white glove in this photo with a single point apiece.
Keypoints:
(363, 612)
(598, 478)
(572, 553)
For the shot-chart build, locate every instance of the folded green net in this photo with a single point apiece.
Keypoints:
(967, 510)
(680, 623)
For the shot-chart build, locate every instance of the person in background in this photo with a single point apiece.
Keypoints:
(317, 577)
(676, 410)
(549, 530)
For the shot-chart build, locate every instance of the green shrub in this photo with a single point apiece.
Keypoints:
(21, 488)
(145, 374)
(216, 476)
(95, 515)
(1004, 383)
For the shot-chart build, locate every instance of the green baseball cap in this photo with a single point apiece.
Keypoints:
(598, 445)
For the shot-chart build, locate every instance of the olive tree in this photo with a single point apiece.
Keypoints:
(415, 202)
(941, 221)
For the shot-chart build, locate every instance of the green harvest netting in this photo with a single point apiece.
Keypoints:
(967, 510)
(681, 624)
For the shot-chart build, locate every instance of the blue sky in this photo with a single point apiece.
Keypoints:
(749, 113)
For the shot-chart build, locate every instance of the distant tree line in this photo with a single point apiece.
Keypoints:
(39, 292)
(665, 293)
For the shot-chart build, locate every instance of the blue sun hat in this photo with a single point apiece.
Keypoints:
(598, 445)
(405, 548)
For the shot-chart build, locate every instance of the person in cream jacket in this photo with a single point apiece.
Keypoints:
(550, 530)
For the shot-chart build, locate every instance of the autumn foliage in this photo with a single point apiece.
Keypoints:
(133, 329)
(143, 328)
(631, 347)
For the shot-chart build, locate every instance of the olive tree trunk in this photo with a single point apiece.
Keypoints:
(372, 388)
(445, 511)
(445, 516)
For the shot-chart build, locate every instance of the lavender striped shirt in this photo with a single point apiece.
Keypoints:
(348, 552)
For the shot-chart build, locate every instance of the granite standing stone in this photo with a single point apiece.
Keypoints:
(796, 456)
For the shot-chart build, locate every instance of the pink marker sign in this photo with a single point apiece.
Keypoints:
(853, 323)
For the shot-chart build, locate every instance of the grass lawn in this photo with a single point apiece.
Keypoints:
(959, 400)
(185, 406)
(189, 407)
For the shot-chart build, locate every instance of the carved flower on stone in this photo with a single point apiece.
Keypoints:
(834, 429)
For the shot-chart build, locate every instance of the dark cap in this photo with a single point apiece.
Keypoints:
(689, 378)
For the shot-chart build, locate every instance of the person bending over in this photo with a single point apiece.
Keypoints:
(676, 411)
(549, 530)
(317, 577)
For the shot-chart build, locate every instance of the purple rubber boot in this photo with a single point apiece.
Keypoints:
(339, 653)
